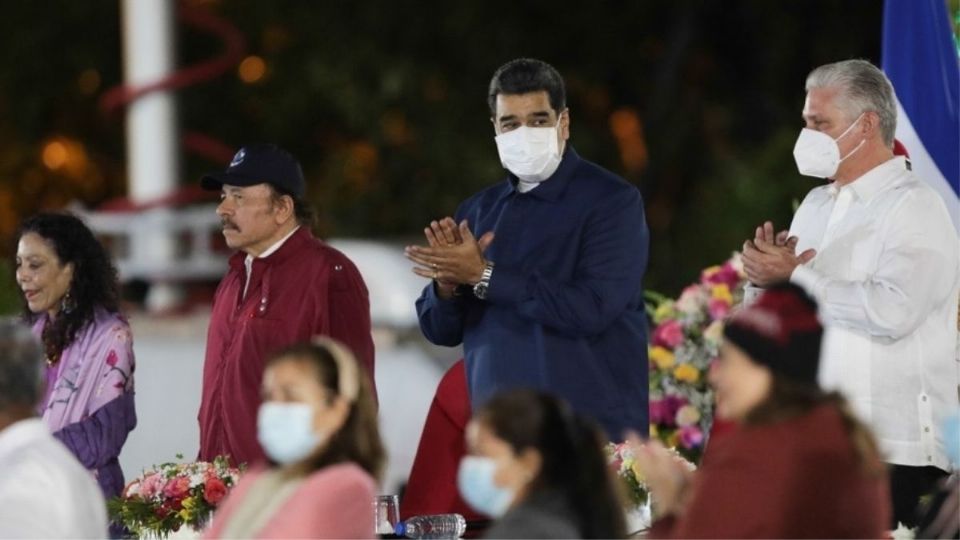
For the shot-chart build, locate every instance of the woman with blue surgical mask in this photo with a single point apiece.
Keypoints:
(539, 470)
(318, 426)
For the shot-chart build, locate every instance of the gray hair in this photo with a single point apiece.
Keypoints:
(863, 88)
(21, 365)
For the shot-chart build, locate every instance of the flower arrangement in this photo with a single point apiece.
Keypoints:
(685, 341)
(620, 459)
(172, 495)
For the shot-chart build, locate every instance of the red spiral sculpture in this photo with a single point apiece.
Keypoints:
(119, 97)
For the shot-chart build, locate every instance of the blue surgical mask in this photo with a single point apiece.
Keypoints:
(285, 430)
(475, 481)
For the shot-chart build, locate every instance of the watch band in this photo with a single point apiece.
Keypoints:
(481, 287)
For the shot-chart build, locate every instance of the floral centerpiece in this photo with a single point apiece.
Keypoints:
(162, 500)
(685, 341)
(621, 460)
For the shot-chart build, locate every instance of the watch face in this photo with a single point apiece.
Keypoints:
(480, 290)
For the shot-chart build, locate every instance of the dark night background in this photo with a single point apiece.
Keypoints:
(696, 102)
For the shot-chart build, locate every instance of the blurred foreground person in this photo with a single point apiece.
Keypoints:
(539, 469)
(71, 297)
(44, 491)
(798, 464)
(318, 426)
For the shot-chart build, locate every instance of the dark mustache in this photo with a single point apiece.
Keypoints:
(227, 224)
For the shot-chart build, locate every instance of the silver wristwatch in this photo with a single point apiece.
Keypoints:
(480, 288)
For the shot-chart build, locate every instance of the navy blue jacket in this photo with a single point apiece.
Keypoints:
(564, 312)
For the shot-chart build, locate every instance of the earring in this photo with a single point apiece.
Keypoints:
(67, 304)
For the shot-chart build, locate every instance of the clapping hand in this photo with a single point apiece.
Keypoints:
(452, 257)
(770, 258)
(441, 234)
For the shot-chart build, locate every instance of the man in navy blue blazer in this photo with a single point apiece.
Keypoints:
(540, 276)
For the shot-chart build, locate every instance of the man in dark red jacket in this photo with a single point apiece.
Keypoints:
(283, 286)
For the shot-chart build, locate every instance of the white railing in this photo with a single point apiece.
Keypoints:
(130, 237)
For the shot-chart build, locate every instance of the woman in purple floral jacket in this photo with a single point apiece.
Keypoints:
(71, 295)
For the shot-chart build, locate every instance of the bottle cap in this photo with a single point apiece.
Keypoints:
(400, 528)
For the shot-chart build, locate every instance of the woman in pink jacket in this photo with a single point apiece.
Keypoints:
(318, 426)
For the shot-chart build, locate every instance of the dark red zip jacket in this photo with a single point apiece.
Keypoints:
(303, 289)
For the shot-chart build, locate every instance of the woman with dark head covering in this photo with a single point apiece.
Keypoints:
(70, 295)
(797, 465)
(539, 470)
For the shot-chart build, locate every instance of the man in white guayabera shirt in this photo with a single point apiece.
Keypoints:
(44, 491)
(876, 247)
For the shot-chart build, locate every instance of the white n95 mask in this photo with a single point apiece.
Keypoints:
(531, 153)
(817, 154)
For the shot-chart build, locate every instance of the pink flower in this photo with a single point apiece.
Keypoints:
(669, 334)
(690, 300)
(726, 274)
(691, 436)
(718, 309)
(151, 485)
(214, 490)
(664, 411)
(177, 487)
(112, 358)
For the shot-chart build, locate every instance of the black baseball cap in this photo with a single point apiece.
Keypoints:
(260, 164)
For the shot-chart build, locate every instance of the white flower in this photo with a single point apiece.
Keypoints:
(196, 479)
(903, 533)
(687, 415)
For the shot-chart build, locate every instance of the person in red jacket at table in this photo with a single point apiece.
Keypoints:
(797, 465)
(283, 286)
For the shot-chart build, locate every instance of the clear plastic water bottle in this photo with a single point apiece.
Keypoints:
(433, 526)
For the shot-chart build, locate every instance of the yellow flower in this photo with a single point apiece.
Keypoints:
(664, 311)
(637, 473)
(663, 358)
(184, 514)
(189, 503)
(673, 439)
(654, 432)
(721, 291)
(686, 373)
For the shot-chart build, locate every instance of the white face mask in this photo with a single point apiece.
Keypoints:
(818, 154)
(285, 430)
(531, 153)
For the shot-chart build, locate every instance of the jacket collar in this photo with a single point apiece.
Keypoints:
(299, 240)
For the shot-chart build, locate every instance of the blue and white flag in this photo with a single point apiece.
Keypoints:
(920, 59)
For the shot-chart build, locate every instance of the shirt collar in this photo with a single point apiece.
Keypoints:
(248, 260)
(283, 249)
(875, 180)
(554, 187)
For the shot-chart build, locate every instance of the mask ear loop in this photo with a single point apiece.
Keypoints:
(348, 384)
